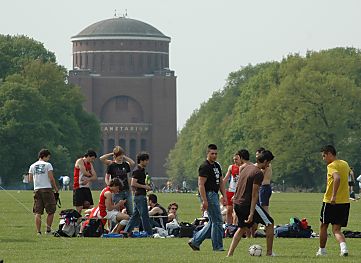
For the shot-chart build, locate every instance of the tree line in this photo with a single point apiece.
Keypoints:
(292, 107)
(38, 108)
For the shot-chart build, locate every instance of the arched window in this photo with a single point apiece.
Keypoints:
(143, 145)
(111, 145)
(133, 148)
(122, 144)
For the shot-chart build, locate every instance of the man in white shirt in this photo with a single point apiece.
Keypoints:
(41, 173)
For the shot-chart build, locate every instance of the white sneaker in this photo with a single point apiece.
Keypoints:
(344, 253)
(320, 253)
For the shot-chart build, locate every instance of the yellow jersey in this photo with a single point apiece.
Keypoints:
(342, 196)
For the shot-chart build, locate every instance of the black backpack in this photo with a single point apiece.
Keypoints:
(94, 228)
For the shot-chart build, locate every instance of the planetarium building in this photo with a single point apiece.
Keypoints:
(122, 67)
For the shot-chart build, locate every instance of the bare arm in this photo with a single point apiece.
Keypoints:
(255, 191)
(30, 177)
(104, 158)
(222, 188)
(155, 210)
(134, 183)
(228, 174)
(129, 160)
(52, 181)
(108, 202)
(107, 178)
(93, 174)
(202, 191)
(336, 184)
(81, 166)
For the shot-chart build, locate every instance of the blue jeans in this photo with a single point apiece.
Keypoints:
(215, 224)
(140, 213)
(125, 195)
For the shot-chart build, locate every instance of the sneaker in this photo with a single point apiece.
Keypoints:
(48, 233)
(344, 253)
(194, 247)
(38, 234)
(320, 253)
(272, 255)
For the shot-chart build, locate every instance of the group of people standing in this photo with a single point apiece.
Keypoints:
(249, 192)
(247, 196)
(124, 199)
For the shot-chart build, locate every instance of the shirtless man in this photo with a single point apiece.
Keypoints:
(265, 190)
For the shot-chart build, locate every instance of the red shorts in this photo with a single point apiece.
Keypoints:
(229, 197)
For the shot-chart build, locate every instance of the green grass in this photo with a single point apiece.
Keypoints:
(18, 242)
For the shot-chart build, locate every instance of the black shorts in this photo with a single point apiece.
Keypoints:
(260, 216)
(352, 183)
(265, 192)
(81, 195)
(335, 214)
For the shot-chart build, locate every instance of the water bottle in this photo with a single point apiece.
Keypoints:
(147, 179)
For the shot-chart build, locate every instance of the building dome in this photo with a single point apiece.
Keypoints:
(120, 28)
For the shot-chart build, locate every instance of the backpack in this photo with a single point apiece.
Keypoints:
(296, 229)
(230, 230)
(186, 229)
(69, 224)
(94, 228)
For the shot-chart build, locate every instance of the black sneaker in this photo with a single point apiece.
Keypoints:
(194, 247)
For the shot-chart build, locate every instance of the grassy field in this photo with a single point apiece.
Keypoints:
(19, 243)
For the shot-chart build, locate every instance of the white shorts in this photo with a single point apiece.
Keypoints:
(112, 215)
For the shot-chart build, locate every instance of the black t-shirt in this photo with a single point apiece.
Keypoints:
(213, 172)
(120, 170)
(139, 174)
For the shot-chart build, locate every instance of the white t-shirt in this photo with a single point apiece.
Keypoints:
(40, 170)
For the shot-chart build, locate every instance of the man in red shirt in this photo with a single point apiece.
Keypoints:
(84, 174)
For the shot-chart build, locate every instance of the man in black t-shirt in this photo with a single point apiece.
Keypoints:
(210, 181)
(140, 189)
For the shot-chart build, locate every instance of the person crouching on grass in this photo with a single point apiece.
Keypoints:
(106, 209)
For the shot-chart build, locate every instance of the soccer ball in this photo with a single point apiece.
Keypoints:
(255, 250)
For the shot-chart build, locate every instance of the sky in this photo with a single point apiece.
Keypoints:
(209, 39)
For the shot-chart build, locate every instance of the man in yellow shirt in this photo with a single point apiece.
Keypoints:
(336, 204)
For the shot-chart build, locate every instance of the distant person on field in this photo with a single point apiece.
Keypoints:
(336, 204)
(210, 181)
(84, 174)
(120, 168)
(232, 178)
(351, 182)
(66, 183)
(26, 182)
(41, 174)
(246, 205)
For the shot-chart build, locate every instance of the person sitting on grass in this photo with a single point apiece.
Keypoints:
(172, 212)
(106, 210)
(158, 214)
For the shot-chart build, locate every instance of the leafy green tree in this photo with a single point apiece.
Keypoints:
(292, 107)
(38, 109)
(17, 51)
